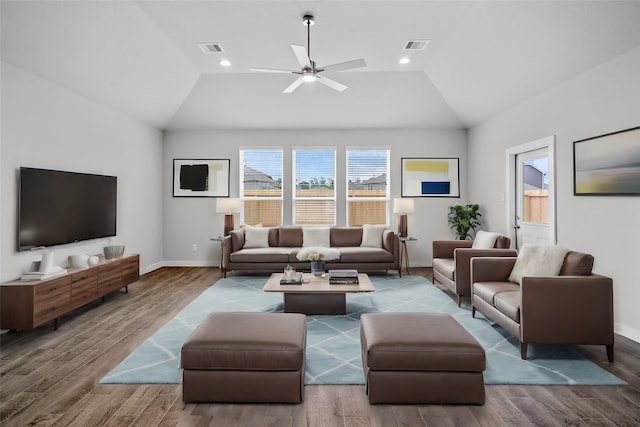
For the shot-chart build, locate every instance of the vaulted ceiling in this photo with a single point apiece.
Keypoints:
(142, 58)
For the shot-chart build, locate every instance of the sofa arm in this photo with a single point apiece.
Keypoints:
(462, 261)
(491, 269)
(567, 309)
(445, 248)
(226, 253)
(391, 243)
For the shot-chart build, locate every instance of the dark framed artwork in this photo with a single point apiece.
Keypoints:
(201, 177)
(430, 177)
(607, 165)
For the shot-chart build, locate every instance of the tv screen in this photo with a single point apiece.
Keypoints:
(57, 207)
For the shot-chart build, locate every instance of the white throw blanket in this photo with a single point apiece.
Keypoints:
(329, 253)
(538, 261)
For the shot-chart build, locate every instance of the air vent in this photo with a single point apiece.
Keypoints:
(416, 44)
(211, 47)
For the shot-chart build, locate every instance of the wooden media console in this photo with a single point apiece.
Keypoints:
(27, 305)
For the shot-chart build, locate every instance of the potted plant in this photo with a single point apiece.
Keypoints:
(463, 218)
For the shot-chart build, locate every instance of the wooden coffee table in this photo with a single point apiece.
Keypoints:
(317, 296)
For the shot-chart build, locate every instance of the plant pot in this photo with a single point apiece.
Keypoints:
(317, 268)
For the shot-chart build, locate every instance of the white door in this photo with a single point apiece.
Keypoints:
(532, 198)
(531, 190)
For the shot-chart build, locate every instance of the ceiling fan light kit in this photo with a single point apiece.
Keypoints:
(308, 71)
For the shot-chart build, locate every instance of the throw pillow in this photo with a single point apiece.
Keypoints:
(538, 261)
(315, 236)
(484, 240)
(372, 235)
(256, 237)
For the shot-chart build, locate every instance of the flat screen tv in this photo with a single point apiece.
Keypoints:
(58, 207)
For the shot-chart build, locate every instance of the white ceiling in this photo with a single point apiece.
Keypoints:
(140, 57)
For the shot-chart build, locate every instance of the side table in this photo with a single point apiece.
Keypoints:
(404, 253)
(219, 239)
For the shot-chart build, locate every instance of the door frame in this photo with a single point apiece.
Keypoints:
(548, 142)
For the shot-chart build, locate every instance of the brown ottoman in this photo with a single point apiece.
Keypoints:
(245, 357)
(420, 358)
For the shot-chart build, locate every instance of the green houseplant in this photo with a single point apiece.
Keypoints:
(463, 218)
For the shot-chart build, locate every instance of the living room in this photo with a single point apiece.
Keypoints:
(47, 125)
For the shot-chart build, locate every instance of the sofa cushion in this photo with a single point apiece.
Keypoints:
(345, 236)
(445, 266)
(315, 236)
(368, 255)
(484, 240)
(256, 237)
(509, 304)
(488, 290)
(261, 255)
(538, 261)
(372, 235)
(290, 237)
(577, 264)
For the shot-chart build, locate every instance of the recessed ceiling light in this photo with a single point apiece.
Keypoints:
(225, 63)
(404, 60)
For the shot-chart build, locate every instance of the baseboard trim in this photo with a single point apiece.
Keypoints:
(190, 264)
(152, 267)
(627, 332)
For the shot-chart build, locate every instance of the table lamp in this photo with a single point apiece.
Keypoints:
(228, 206)
(403, 207)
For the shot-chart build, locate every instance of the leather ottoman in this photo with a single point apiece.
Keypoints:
(420, 358)
(245, 357)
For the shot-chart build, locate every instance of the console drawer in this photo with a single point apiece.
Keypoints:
(51, 300)
(84, 287)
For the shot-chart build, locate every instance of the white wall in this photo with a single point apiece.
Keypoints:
(190, 221)
(47, 126)
(604, 100)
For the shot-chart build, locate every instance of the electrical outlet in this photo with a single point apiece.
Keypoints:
(194, 248)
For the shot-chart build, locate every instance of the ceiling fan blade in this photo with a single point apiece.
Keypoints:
(293, 86)
(272, 70)
(331, 83)
(301, 54)
(356, 63)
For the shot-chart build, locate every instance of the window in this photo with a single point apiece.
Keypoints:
(261, 186)
(367, 186)
(314, 199)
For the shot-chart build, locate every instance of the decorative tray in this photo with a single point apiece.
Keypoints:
(292, 281)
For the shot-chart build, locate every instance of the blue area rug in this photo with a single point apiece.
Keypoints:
(333, 342)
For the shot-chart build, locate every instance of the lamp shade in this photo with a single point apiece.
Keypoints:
(403, 206)
(228, 205)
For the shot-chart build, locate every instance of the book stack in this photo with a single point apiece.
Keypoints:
(37, 275)
(343, 277)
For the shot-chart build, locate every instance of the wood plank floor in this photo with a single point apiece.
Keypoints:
(51, 378)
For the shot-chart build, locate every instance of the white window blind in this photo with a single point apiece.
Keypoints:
(314, 198)
(367, 186)
(261, 186)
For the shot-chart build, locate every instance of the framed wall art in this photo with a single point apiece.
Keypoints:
(201, 177)
(607, 165)
(430, 177)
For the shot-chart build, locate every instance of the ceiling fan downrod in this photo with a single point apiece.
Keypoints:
(308, 21)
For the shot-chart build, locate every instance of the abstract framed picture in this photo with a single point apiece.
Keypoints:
(201, 177)
(430, 177)
(607, 165)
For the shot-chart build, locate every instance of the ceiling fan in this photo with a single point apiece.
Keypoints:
(308, 71)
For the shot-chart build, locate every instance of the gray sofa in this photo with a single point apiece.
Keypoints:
(284, 243)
